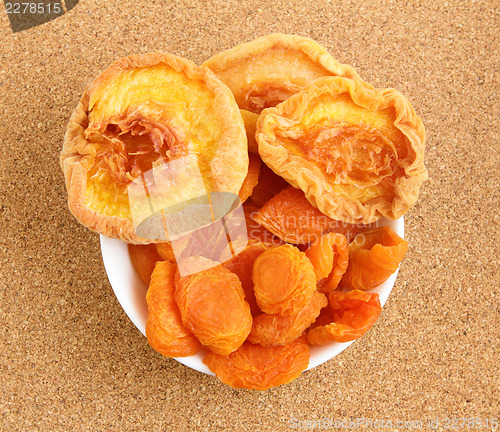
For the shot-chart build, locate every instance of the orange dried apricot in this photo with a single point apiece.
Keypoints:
(275, 330)
(144, 258)
(213, 306)
(164, 328)
(242, 265)
(256, 231)
(373, 256)
(329, 256)
(251, 178)
(269, 185)
(284, 280)
(295, 220)
(354, 313)
(255, 367)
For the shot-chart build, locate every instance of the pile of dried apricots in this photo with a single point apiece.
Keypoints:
(316, 155)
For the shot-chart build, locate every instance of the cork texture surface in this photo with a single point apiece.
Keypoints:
(70, 357)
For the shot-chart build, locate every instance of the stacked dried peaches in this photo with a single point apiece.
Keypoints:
(316, 155)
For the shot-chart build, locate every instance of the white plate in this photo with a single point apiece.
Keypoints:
(131, 293)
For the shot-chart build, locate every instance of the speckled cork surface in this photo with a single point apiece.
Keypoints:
(70, 359)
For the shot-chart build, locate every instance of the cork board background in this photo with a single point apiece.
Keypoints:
(70, 359)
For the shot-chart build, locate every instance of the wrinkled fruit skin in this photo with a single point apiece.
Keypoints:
(256, 367)
(212, 305)
(329, 256)
(164, 328)
(354, 313)
(242, 265)
(278, 330)
(373, 256)
(284, 280)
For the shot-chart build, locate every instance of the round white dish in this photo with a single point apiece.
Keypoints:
(131, 293)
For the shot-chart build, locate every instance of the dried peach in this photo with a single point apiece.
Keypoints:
(274, 330)
(144, 258)
(293, 219)
(132, 118)
(373, 256)
(356, 152)
(354, 313)
(329, 256)
(164, 329)
(253, 366)
(284, 280)
(212, 305)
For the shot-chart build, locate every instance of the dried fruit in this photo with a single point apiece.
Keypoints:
(268, 70)
(128, 120)
(329, 256)
(256, 231)
(284, 280)
(253, 366)
(144, 258)
(242, 265)
(164, 328)
(354, 313)
(373, 256)
(269, 185)
(356, 152)
(212, 305)
(275, 330)
(251, 179)
(293, 219)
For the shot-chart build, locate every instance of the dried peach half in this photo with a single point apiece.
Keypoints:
(356, 152)
(213, 306)
(141, 112)
(268, 70)
(329, 256)
(284, 280)
(255, 367)
(373, 256)
(291, 217)
(354, 313)
(164, 328)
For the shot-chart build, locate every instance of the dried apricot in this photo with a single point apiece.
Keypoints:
(144, 258)
(251, 178)
(164, 329)
(329, 256)
(275, 330)
(354, 313)
(255, 367)
(212, 305)
(256, 231)
(295, 220)
(284, 280)
(373, 256)
(242, 265)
